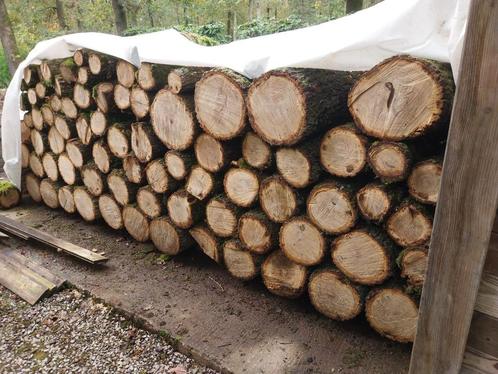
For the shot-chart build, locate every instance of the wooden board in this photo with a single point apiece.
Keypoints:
(475, 362)
(467, 204)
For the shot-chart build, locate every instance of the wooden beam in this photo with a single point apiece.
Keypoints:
(468, 201)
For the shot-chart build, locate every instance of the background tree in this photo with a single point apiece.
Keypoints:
(119, 16)
(353, 6)
(8, 39)
(59, 7)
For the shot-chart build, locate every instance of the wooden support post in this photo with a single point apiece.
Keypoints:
(467, 204)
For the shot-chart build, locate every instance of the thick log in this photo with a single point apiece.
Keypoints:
(278, 200)
(424, 181)
(134, 170)
(256, 232)
(111, 211)
(335, 296)
(283, 277)
(93, 179)
(104, 66)
(299, 166)
(10, 196)
(376, 201)
(80, 57)
(173, 120)
(256, 152)
(125, 73)
(183, 79)
(122, 97)
(63, 88)
(184, 210)
(69, 174)
(158, 178)
(47, 114)
(65, 126)
(103, 157)
(136, 223)
(66, 199)
(208, 242)
(33, 187)
(36, 165)
(288, 105)
(140, 102)
(413, 265)
(150, 203)
(331, 206)
(392, 313)
(144, 142)
(343, 151)
(241, 263)
(103, 94)
(152, 77)
(364, 255)
(37, 118)
(123, 191)
(302, 242)
(55, 103)
(68, 70)
(49, 193)
(78, 152)
(69, 108)
(213, 155)
(168, 238)
(84, 130)
(220, 103)
(39, 141)
(82, 97)
(410, 225)
(241, 186)
(118, 139)
(25, 151)
(390, 161)
(402, 97)
(49, 162)
(55, 140)
(179, 164)
(222, 216)
(201, 184)
(86, 204)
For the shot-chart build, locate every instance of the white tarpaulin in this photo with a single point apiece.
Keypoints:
(422, 28)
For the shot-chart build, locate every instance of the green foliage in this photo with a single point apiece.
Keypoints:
(214, 31)
(263, 26)
(4, 71)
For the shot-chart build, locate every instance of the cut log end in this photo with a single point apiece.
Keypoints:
(374, 202)
(77, 152)
(49, 161)
(122, 97)
(256, 152)
(296, 167)
(167, 238)
(103, 157)
(98, 123)
(278, 200)
(104, 96)
(139, 102)
(67, 170)
(82, 96)
(256, 232)
(409, 225)
(210, 153)
(390, 161)
(118, 140)
(425, 180)
(36, 165)
(33, 187)
(200, 183)
(144, 142)
(178, 164)
(123, 191)
(208, 242)
(149, 202)
(86, 204)
(282, 277)
(66, 199)
(158, 178)
(136, 223)
(83, 129)
(10, 196)
(125, 73)
(49, 193)
(93, 179)
(134, 170)
(302, 242)
(182, 80)
(222, 216)
(241, 186)
(111, 211)
(240, 263)
(56, 141)
(69, 108)
(413, 265)
(184, 210)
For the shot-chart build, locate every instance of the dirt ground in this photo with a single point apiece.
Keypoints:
(223, 323)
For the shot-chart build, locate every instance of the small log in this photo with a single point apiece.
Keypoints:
(111, 211)
(80, 57)
(413, 265)
(47, 70)
(28, 119)
(241, 186)
(150, 203)
(66, 199)
(47, 114)
(343, 151)
(68, 70)
(140, 102)
(39, 141)
(37, 118)
(63, 88)
(278, 200)
(84, 130)
(144, 142)
(86, 204)
(222, 216)
(82, 97)
(98, 123)
(33, 187)
(78, 152)
(152, 77)
(256, 152)
(220, 103)
(410, 225)
(256, 232)
(86, 78)
(208, 242)
(424, 181)
(392, 313)
(103, 157)
(201, 184)
(331, 206)
(104, 66)
(25, 133)
(123, 191)
(43, 91)
(158, 178)
(122, 97)
(69, 108)
(136, 223)
(49, 191)
(173, 120)
(65, 126)
(184, 210)
(334, 296)
(49, 162)
(364, 255)
(134, 170)
(25, 151)
(402, 97)
(29, 77)
(302, 242)
(308, 100)
(213, 155)
(10, 196)
(125, 73)
(55, 103)
(299, 166)
(168, 238)
(93, 179)
(240, 263)
(68, 172)
(36, 165)
(282, 277)
(55, 140)
(390, 161)
(376, 201)
(183, 79)
(179, 164)
(103, 94)
(32, 96)
(118, 139)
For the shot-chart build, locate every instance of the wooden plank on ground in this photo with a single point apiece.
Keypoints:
(475, 362)
(467, 205)
(483, 335)
(14, 227)
(487, 298)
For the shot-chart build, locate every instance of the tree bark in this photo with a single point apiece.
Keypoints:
(353, 6)
(59, 7)
(119, 16)
(8, 39)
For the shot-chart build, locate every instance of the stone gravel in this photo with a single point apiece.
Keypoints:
(71, 332)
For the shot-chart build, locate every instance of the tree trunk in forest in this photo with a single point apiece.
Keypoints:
(150, 13)
(353, 6)
(119, 16)
(8, 39)
(59, 7)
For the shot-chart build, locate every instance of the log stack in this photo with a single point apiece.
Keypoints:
(321, 182)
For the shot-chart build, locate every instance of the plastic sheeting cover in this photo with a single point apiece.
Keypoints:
(422, 28)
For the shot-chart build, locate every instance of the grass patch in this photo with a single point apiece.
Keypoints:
(4, 71)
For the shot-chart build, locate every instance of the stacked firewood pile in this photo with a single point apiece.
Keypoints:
(320, 181)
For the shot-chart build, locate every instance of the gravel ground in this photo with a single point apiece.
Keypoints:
(74, 333)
